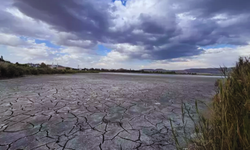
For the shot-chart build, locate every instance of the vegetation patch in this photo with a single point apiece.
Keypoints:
(226, 123)
(9, 70)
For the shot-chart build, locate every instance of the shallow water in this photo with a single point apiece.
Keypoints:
(95, 111)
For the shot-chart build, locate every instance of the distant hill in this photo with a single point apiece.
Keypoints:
(156, 70)
(212, 71)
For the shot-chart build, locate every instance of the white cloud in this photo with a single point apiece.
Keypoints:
(125, 17)
(11, 40)
(114, 57)
(23, 25)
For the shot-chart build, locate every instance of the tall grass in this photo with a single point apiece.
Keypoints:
(226, 123)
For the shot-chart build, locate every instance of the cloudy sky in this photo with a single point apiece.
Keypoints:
(168, 34)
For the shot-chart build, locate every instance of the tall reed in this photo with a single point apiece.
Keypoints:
(225, 125)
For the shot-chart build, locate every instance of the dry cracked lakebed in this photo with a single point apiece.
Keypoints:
(95, 111)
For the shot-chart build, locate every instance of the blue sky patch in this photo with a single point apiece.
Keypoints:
(124, 2)
(47, 43)
(23, 38)
(102, 50)
(219, 46)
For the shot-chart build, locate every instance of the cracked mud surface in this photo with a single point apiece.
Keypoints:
(94, 111)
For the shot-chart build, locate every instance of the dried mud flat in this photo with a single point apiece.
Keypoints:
(94, 111)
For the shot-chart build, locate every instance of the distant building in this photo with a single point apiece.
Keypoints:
(61, 67)
(33, 65)
(52, 66)
(57, 67)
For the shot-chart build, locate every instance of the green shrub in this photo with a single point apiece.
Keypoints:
(41, 71)
(8, 70)
(11, 70)
(3, 71)
(33, 71)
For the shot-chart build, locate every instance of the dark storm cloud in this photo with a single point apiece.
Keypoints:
(163, 38)
(12, 25)
(153, 28)
(68, 15)
(210, 7)
(154, 25)
(235, 13)
(170, 51)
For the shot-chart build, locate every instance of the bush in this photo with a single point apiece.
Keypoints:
(11, 70)
(33, 71)
(8, 70)
(41, 71)
(227, 123)
(3, 71)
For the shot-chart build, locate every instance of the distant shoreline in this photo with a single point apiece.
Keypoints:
(161, 74)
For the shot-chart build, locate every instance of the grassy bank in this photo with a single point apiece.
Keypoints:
(8, 70)
(226, 123)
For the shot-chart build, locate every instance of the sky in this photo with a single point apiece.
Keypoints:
(132, 34)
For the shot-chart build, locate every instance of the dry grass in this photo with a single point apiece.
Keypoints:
(226, 124)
